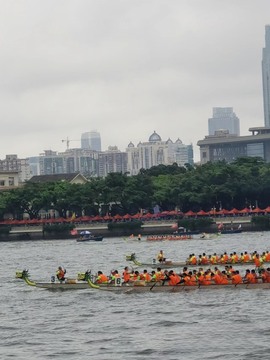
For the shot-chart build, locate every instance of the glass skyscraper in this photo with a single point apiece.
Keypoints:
(224, 119)
(91, 140)
(266, 77)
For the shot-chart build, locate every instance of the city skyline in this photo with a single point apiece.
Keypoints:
(125, 69)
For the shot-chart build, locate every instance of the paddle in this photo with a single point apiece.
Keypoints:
(155, 283)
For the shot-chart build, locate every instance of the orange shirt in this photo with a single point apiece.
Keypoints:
(146, 277)
(126, 276)
(237, 279)
(102, 279)
(257, 261)
(217, 279)
(246, 258)
(250, 278)
(174, 279)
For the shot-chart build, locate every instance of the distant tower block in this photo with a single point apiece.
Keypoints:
(91, 140)
(224, 119)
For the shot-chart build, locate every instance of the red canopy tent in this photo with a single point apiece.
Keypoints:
(222, 212)
(190, 213)
(86, 218)
(148, 216)
(97, 218)
(107, 217)
(267, 209)
(202, 213)
(257, 210)
(233, 211)
(137, 216)
(117, 217)
(246, 210)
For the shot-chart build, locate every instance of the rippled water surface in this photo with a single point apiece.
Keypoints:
(84, 324)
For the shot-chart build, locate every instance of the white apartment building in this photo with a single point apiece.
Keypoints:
(155, 152)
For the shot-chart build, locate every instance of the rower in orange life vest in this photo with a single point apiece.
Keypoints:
(236, 278)
(265, 275)
(101, 278)
(145, 276)
(60, 273)
(114, 276)
(126, 275)
(192, 259)
(258, 261)
(174, 279)
(249, 277)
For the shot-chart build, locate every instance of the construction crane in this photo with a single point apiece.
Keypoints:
(67, 141)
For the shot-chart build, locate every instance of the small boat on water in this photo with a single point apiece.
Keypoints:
(86, 235)
(89, 237)
(231, 231)
(141, 286)
(68, 284)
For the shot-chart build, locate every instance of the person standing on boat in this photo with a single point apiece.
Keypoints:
(161, 258)
(126, 275)
(60, 273)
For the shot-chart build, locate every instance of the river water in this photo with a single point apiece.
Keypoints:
(88, 324)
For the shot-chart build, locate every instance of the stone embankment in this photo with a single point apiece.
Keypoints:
(148, 228)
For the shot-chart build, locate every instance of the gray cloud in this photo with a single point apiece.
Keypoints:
(126, 68)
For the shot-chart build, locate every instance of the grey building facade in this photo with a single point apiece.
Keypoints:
(224, 119)
(229, 148)
(91, 140)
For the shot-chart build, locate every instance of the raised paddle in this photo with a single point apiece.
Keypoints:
(155, 283)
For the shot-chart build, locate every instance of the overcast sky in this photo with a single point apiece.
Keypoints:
(126, 68)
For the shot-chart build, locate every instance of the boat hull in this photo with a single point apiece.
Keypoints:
(177, 264)
(90, 238)
(236, 231)
(180, 288)
(62, 286)
(169, 237)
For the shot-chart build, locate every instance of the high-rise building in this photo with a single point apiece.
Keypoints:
(266, 77)
(112, 160)
(84, 161)
(13, 163)
(155, 152)
(91, 140)
(223, 119)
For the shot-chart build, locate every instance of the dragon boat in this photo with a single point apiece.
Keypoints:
(141, 286)
(175, 264)
(155, 264)
(169, 237)
(68, 284)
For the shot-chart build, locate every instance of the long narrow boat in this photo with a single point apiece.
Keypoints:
(170, 237)
(175, 264)
(142, 287)
(155, 264)
(69, 284)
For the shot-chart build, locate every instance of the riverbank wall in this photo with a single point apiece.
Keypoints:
(149, 228)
